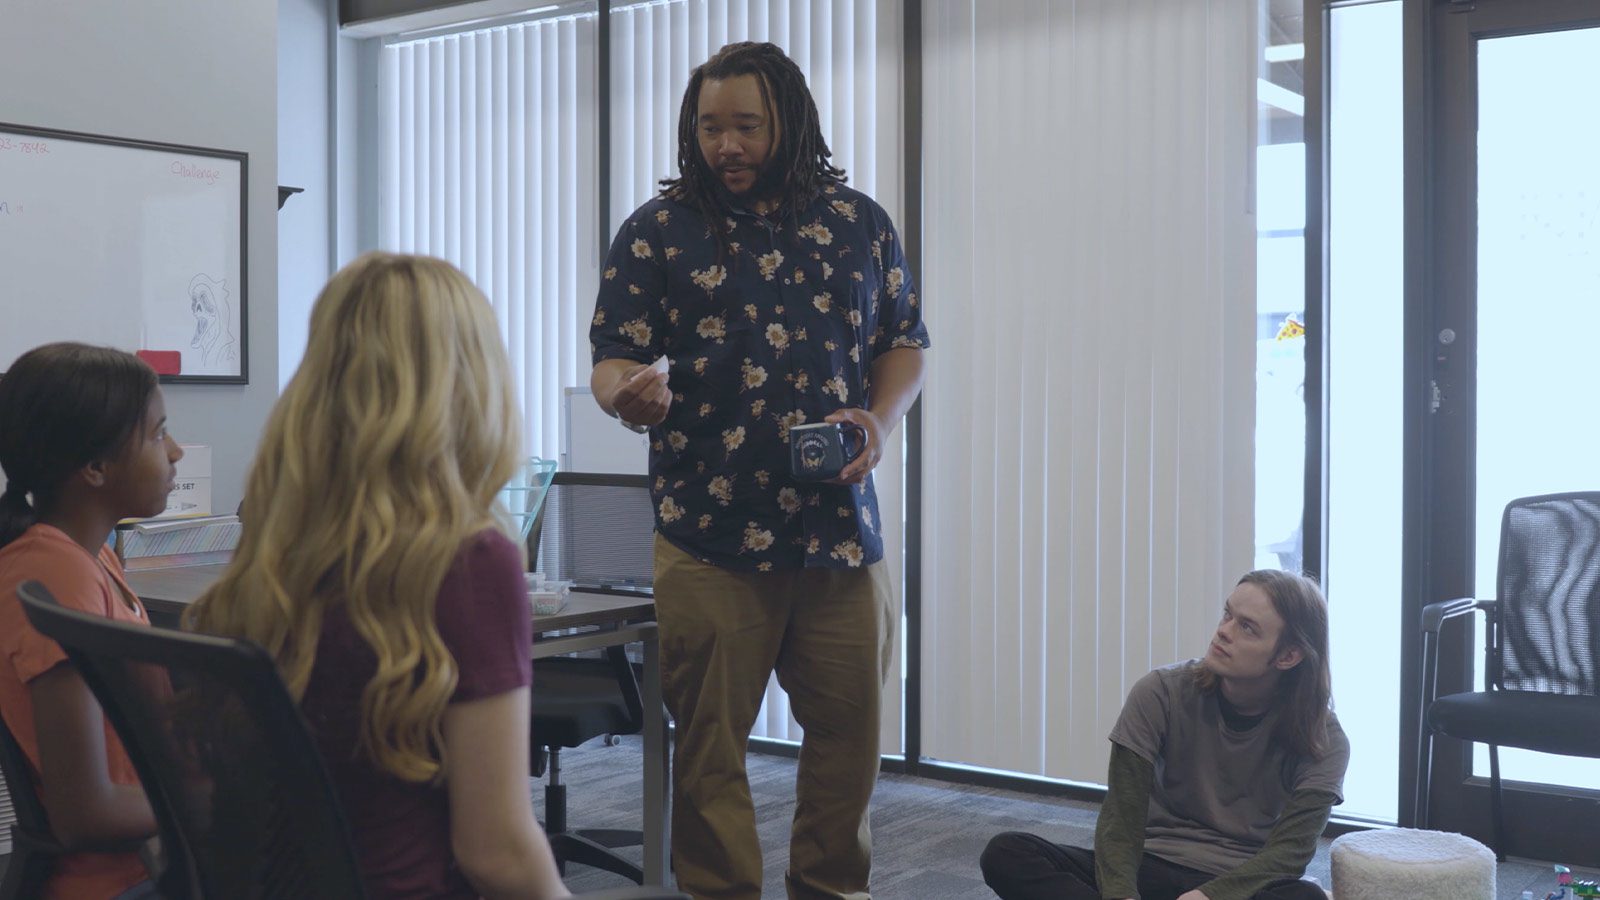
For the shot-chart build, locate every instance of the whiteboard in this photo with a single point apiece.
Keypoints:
(593, 442)
(124, 243)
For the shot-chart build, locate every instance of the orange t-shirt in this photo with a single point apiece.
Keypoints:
(78, 581)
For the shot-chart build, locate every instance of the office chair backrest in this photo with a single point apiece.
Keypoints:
(244, 805)
(25, 802)
(1549, 586)
(597, 531)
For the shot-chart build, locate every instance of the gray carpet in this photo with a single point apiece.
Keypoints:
(927, 835)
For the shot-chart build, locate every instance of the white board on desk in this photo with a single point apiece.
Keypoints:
(593, 442)
(130, 244)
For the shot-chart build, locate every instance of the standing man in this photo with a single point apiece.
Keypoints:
(777, 297)
(1223, 769)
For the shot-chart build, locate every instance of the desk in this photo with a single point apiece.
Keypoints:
(620, 620)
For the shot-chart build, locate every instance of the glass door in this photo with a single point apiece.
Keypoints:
(1513, 140)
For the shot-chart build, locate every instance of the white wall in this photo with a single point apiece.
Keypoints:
(357, 145)
(191, 72)
(305, 74)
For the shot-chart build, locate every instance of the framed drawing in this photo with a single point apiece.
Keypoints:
(134, 244)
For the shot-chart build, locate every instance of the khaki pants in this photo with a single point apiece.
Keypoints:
(829, 635)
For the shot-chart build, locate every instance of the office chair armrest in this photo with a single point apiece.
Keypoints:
(633, 893)
(1433, 618)
(1434, 614)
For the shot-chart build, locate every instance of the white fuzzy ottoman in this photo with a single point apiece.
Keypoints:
(1411, 864)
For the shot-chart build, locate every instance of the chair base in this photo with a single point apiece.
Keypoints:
(592, 848)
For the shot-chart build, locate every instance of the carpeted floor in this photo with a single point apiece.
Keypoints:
(926, 834)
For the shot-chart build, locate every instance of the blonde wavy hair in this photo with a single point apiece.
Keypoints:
(384, 454)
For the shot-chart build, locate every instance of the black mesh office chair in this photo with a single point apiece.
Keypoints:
(596, 531)
(1541, 650)
(34, 849)
(243, 803)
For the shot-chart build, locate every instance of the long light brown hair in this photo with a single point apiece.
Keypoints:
(384, 454)
(1305, 691)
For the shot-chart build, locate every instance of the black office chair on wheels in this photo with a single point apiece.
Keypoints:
(1541, 646)
(596, 531)
(242, 800)
(34, 849)
(577, 700)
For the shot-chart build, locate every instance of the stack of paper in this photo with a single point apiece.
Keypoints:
(164, 543)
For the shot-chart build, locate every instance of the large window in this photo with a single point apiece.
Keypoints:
(1364, 416)
(1100, 464)
(1280, 332)
(1362, 340)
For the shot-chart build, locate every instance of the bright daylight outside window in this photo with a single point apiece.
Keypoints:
(1361, 572)
(1365, 400)
(1280, 287)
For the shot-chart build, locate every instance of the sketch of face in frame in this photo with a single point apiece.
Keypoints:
(213, 331)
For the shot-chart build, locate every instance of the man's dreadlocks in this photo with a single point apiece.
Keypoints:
(801, 154)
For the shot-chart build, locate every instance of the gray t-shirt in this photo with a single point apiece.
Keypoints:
(1217, 792)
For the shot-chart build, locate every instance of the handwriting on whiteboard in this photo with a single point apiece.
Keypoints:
(199, 173)
(33, 148)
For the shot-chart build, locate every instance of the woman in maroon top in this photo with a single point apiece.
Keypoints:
(374, 569)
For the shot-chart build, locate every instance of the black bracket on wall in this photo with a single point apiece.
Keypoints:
(285, 192)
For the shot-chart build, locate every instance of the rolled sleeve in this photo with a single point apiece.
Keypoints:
(900, 322)
(629, 321)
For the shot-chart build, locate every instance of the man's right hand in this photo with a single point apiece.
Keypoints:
(640, 395)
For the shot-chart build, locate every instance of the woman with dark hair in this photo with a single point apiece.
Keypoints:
(1223, 769)
(83, 444)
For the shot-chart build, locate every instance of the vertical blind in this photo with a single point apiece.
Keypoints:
(850, 53)
(489, 148)
(1088, 274)
(1088, 436)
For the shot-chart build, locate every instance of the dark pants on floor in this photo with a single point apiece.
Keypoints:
(1027, 867)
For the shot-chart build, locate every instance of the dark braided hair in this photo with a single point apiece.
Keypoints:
(801, 154)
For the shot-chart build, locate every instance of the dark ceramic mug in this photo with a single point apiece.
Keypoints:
(817, 452)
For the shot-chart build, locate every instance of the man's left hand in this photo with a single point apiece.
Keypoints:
(858, 469)
(1193, 895)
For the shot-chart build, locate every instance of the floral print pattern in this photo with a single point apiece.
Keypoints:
(777, 329)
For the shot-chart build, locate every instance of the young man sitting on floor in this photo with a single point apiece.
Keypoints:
(1223, 769)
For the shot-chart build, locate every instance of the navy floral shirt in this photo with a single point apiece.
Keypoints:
(781, 331)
